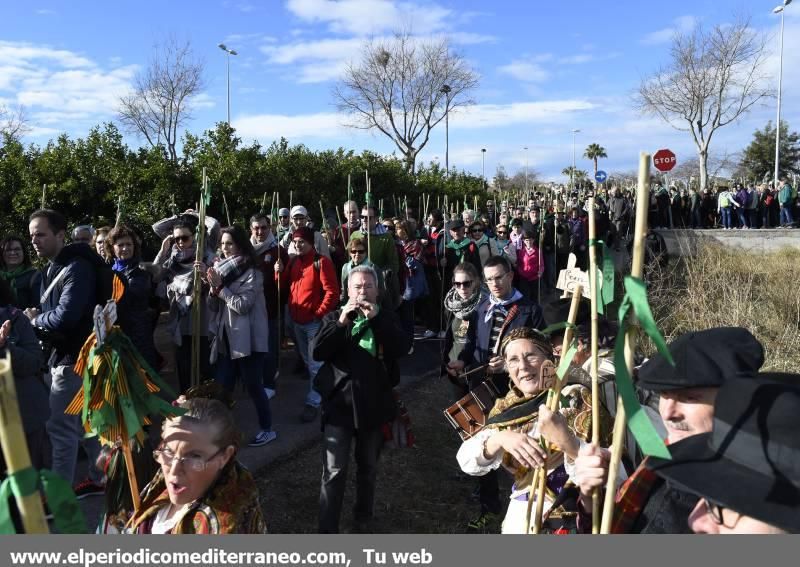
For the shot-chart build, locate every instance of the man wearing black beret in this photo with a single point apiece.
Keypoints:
(746, 471)
(704, 361)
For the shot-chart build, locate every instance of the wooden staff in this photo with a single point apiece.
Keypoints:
(264, 201)
(541, 257)
(349, 189)
(197, 285)
(594, 364)
(15, 450)
(44, 195)
(227, 210)
(322, 224)
(539, 482)
(637, 268)
(290, 200)
(475, 204)
(438, 202)
(119, 210)
(369, 227)
(280, 307)
(406, 207)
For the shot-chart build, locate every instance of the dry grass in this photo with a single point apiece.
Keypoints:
(723, 287)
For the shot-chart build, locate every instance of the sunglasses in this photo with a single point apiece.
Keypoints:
(359, 251)
(183, 238)
(465, 283)
(474, 230)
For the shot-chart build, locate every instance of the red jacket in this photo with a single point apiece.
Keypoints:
(312, 293)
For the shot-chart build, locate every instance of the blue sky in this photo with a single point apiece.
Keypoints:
(545, 69)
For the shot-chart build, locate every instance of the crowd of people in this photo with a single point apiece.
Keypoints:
(352, 299)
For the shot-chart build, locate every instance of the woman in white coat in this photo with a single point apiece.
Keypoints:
(238, 324)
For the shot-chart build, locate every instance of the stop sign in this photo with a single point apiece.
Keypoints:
(664, 160)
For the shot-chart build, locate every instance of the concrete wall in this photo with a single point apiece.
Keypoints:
(685, 242)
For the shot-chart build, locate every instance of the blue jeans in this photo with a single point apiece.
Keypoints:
(249, 369)
(66, 431)
(726, 217)
(272, 357)
(744, 221)
(304, 333)
(786, 214)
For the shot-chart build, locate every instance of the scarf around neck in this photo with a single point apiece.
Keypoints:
(363, 332)
(121, 265)
(11, 275)
(462, 308)
(262, 247)
(459, 247)
(482, 240)
(232, 268)
(500, 305)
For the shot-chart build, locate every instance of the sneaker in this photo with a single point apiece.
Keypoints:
(309, 413)
(487, 522)
(88, 488)
(269, 392)
(262, 438)
(428, 334)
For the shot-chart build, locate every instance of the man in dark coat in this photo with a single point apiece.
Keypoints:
(65, 320)
(359, 345)
(704, 361)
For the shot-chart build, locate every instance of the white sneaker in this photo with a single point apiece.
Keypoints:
(262, 438)
(269, 392)
(428, 334)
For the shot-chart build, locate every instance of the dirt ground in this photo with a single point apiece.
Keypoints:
(420, 490)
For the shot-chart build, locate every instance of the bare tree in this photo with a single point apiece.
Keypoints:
(13, 122)
(159, 103)
(403, 87)
(713, 78)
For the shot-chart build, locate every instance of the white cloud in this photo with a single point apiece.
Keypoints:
(501, 115)
(321, 50)
(526, 71)
(45, 12)
(268, 127)
(365, 17)
(682, 24)
(60, 87)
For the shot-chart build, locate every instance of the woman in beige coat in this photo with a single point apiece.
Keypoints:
(238, 324)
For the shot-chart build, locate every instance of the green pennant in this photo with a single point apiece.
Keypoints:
(640, 425)
(566, 360)
(550, 329)
(607, 277)
(60, 498)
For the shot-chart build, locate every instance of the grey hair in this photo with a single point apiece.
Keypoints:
(81, 227)
(362, 269)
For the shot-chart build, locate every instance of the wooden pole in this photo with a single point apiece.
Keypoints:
(291, 196)
(227, 210)
(594, 360)
(349, 189)
(369, 226)
(264, 201)
(540, 475)
(15, 450)
(280, 307)
(197, 286)
(130, 470)
(637, 268)
(44, 195)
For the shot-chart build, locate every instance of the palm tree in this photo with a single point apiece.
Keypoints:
(595, 152)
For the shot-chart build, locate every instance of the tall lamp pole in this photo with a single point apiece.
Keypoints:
(483, 167)
(446, 91)
(229, 52)
(782, 11)
(572, 173)
(526, 170)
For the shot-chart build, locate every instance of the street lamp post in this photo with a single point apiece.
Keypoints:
(229, 52)
(572, 173)
(446, 91)
(483, 167)
(782, 11)
(526, 170)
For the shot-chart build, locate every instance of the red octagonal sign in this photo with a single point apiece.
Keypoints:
(664, 160)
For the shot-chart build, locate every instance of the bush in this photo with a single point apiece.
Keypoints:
(720, 287)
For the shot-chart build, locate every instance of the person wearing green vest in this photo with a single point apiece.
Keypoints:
(381, 248)
(725, 202)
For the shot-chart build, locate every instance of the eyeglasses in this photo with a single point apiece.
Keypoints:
(474, 230)
(465, 283)
(359, 251)
(167, 458)
(530, 359)
(715, 511)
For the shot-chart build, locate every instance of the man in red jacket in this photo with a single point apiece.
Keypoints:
(309, 284)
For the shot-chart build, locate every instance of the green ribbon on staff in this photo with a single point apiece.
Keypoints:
(549, 330)
(607, 275)
(640, 425)
(566, 360)
(67, 515)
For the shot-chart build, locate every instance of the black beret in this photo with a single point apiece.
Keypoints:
(455, 224)
(704, 359)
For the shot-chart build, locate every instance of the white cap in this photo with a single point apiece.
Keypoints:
(284, 212)
(299, 210)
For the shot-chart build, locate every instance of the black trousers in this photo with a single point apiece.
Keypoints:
(336, 441)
